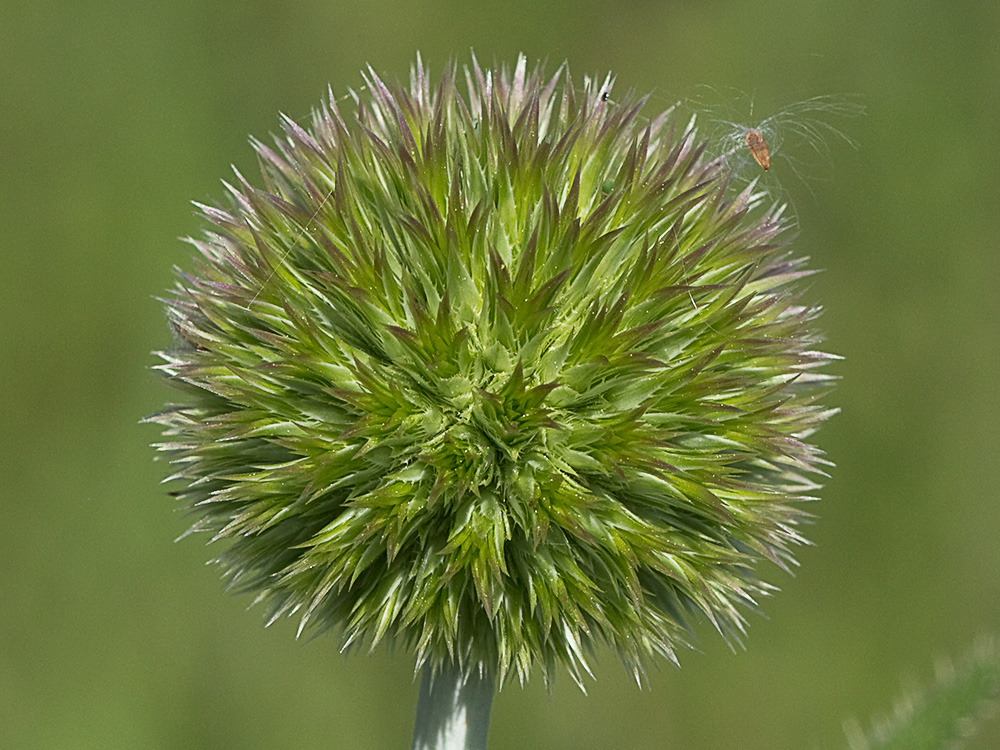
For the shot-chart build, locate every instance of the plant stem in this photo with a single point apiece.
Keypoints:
(453, 711)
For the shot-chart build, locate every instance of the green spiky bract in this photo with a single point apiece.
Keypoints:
(498, 369)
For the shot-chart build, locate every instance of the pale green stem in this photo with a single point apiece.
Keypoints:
(453, 711)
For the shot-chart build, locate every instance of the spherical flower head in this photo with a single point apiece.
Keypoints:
(498, 369)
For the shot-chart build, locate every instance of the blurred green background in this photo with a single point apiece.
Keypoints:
(114, 114)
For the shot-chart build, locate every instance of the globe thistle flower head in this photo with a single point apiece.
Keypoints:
(497, 369)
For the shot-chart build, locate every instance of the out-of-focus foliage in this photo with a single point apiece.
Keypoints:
(943, 715)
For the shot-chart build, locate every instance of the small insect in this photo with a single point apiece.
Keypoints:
(801, 133)
(758, 148)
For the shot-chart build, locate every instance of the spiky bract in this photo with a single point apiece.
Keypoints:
(498, 369)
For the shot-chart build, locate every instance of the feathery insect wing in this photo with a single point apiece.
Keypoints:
(801, 133)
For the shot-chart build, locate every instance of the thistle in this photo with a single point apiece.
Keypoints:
(498, 369)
